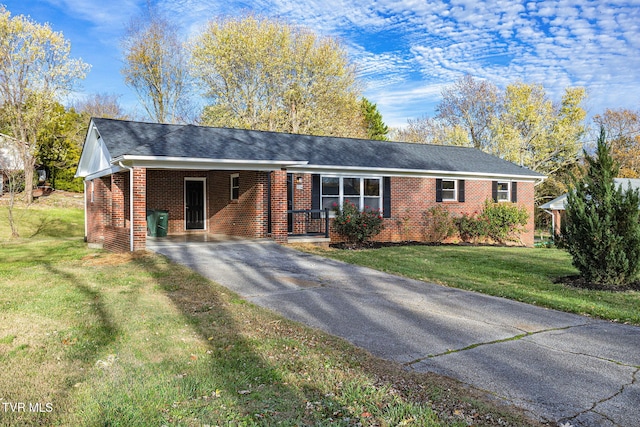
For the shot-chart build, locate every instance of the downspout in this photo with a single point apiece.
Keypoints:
(130, 204)
(86, 228)
(553, 222)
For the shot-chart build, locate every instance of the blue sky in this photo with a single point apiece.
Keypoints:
(406, 50)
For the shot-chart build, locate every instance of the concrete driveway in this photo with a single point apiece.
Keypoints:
(561, 367)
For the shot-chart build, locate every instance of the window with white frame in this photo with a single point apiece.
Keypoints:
(235, 186)
(363, 192)
(449, 190)
(502, 194)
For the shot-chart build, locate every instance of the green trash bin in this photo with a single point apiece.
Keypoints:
(152, 222)
(163, 223)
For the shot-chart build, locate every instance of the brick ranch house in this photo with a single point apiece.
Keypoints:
(258, 184)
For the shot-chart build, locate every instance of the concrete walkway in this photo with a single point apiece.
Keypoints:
(560, 367)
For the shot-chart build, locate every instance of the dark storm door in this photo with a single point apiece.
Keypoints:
(194, 204)
(290, 202)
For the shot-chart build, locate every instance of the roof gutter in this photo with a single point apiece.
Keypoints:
(302, 166)
(553, 220)
(413, 172)
(162, 162)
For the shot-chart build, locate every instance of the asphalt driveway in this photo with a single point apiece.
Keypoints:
(561, 367)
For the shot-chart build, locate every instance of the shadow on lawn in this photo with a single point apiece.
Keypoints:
(96, 335)
(232, 332)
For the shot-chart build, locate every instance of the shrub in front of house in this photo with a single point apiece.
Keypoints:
(471, 228)
(438, 224)
(498, 222)
(355, 225)
(505, 221)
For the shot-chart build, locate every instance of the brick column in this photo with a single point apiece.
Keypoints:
(139, 220)
(279, 206)
(118, 184)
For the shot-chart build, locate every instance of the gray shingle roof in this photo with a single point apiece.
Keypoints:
(189, 141)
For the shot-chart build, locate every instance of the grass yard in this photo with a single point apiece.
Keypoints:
(523, 274)
(91, 338)
(56, 216)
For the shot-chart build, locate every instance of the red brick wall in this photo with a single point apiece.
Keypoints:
(108, 213)
(412, 197)
(98, 210)
(245, 217)
(116, 239)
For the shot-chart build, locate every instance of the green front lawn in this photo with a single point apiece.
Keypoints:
(522, 274)
(91, 338)
(56, 216)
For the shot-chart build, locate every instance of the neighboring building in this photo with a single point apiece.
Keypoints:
(258, 184)
(10, 161)
(557, 206)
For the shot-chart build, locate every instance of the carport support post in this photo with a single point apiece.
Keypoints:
(279, 206)
(138, 204)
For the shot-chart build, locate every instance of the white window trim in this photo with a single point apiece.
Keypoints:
(498, 192)
(341, 196)
(455, 190)
(231, 187)
(93, 192)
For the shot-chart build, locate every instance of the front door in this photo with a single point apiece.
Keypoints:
(194, 204)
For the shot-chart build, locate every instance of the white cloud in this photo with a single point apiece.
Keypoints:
(107, 17)
(404, 48)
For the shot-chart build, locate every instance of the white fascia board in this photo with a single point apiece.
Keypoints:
(420, 173)
(104, 172)
(188, 163)
(95, 156)
(559, 203)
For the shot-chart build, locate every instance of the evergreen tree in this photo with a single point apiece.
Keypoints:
(602, 231)
(375, 127)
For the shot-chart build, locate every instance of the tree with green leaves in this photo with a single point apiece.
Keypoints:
(59, 148)
(376, 129)
(602, 226)
(537, 133)
(35, 70)
(521, 124)
(264, 74)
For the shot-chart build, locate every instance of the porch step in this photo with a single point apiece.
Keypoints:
(309, 239)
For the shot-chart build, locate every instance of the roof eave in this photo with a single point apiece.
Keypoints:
(194, 163)
(421, 173)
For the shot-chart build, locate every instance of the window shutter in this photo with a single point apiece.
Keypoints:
(386, 197)
(438, 190)
(315, 194)
(494, 191)
(461, 190)
(514, 192)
